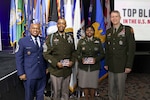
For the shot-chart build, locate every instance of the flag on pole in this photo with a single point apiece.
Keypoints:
(76, 28)
(38, 11)
(68, 15)
(82, 20)
(68, 6)
(43, 18)
(12, 23)
(20, 20)
(62, 14)
(76, 22)
(29, 6)
(100, 32)
(90, 11)
(47, 4)
(107, 14)
(52, 24)
(58, 7)
(40, 15)
(53, 11)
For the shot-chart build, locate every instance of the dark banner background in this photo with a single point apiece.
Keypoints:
(4, 21)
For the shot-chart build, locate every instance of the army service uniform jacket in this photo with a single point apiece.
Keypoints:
(120, 49)
(92, 49)
(56, 49)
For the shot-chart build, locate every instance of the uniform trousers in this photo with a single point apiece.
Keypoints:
(60, 87)
(116, 83)
(34, 88)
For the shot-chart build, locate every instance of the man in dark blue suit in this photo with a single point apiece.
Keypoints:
(31, 66)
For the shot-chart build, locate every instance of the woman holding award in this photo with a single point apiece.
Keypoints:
(89, 54)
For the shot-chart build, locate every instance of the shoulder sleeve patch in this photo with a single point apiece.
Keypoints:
(45, 47)
(17, 48)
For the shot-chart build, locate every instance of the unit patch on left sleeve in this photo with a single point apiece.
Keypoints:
(17, 48)
(44, 47)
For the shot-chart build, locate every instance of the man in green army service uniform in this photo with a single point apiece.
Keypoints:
(58, 51)
(120, 49)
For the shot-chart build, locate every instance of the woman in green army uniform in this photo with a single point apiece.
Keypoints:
(90, 52)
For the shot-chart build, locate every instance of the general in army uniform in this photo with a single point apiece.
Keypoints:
(120, 48)
(58, 51)
(89, 54)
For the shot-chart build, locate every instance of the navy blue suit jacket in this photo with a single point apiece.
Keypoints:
(29, 59)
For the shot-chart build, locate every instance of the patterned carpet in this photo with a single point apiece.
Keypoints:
(137, 88)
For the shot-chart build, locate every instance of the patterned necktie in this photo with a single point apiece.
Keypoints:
(36, 43)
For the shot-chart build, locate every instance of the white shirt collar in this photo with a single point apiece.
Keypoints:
(38, 40)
